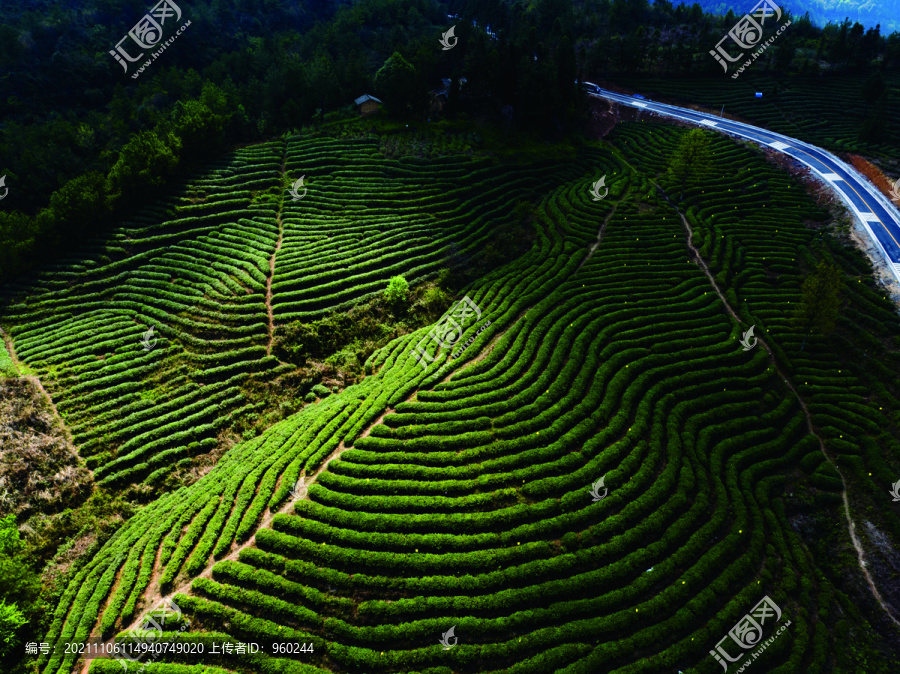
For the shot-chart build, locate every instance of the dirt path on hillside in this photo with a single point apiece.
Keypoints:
(698, 259)
(851, 525)
(596, 243)
(269, 312)
(153, 597)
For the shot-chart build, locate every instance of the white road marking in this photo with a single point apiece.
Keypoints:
(778, 145)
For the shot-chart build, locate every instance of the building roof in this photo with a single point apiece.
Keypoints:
(446, 82)
(365, 97)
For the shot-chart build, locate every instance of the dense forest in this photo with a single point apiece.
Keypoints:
(82, 142)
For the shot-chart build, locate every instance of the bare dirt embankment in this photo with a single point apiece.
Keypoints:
(40, 471)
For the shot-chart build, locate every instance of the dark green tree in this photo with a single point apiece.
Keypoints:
(875, 128)
(691, 157)
(855, 44)
(395, 83)
(873, 87)
(820, 302)
(397, 291)
(565, 71)
(19, 589)
(633, 50)
(869, 45)
(18, 234)
(784, 55)
(144, 165)
(892, 51)
(322, 81)
(77, 208)
(198, 128)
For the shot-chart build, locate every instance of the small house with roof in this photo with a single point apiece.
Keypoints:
(367, 104)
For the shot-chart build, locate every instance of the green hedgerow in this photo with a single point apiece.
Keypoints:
(397, 290)
(320, 390)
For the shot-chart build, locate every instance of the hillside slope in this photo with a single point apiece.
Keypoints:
(464, 498)
(216, 269)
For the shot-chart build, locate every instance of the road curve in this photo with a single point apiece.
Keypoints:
(873, 210)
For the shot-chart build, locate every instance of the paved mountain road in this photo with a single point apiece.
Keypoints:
(875, 212)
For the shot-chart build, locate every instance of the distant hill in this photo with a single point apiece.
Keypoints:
(869, 14)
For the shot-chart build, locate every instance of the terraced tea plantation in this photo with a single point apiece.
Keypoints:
(464, 494)
(203, 276)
